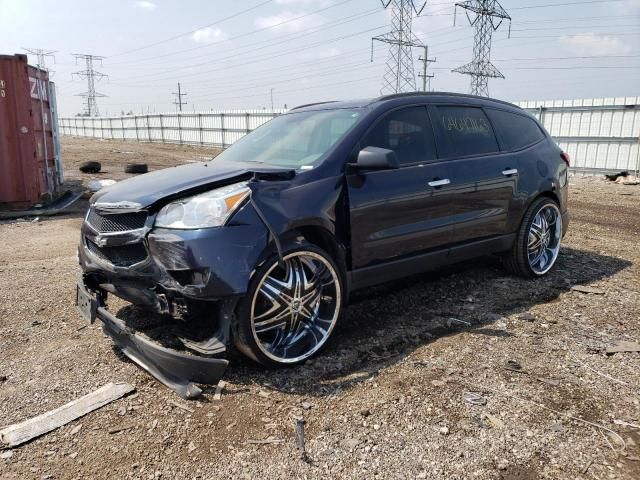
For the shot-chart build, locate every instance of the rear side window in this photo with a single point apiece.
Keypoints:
(468, 130)
(407, 132)
(516, 131)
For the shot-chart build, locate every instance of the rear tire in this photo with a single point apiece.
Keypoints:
(90, 167)
(136, 168)
(289, 313)
(537, 244)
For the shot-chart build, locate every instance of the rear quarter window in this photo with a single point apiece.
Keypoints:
(516, 131)
(467, 130)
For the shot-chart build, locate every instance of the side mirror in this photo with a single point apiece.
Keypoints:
(375, 158)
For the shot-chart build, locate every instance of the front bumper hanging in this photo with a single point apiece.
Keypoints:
(176, 370)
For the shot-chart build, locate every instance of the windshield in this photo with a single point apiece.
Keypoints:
(293, 140)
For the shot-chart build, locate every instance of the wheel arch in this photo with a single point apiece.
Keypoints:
(315, 234)
(548, 194)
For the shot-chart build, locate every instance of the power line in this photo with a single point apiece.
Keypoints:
(281, 23)
(90, 74)
(285, 39)
(564, 4)
(573, 19)
(251, 32)
(565, 28)
(277, 55)
(361, 81)
(328, 25)
(358, 68)
(297, 64)
(252, 48)
(190, 32)
(314, 62)
(159, 76)
(347, 67)
(260, 58)
(575, 67)
(324, 85)
(252, 86)
(145, 76)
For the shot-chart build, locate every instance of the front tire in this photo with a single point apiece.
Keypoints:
(290, 310)
(537, 245)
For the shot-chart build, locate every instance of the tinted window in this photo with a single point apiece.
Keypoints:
(407, 132)
(468, 130)
(516, 131)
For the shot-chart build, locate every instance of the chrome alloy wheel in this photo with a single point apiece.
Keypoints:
(295, 307)
(544, 238)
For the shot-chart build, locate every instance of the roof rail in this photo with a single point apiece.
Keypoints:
(400, 95)
(453, 94)
(312, 104)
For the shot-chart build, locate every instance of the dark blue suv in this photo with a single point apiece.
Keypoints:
(275, 232)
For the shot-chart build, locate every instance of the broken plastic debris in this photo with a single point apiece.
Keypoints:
(451, 321)
(474, 398)
(95, 185)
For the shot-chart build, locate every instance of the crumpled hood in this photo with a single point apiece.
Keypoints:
(147, 189)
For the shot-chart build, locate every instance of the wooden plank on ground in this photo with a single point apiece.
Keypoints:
(624, 346)
(22, 432)
(218, 393)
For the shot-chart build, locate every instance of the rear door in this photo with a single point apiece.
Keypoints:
(483, 180)
(399, 212)
(519, 136)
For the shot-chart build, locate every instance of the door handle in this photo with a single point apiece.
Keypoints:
(439, 183)
(509, 171)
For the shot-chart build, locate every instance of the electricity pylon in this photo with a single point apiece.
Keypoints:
(179, 102)
(399, 74)
(487, 17)
(90, 74)
(41, 56)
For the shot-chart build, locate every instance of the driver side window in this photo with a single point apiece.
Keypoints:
(407, 132)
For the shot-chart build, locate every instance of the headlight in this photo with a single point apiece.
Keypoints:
(210, 209)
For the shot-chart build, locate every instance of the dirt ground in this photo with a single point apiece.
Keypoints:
(115, 155)
(385, 399)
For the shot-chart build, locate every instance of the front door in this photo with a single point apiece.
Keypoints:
(397, 213)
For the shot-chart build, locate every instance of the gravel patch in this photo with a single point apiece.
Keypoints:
(526, 391)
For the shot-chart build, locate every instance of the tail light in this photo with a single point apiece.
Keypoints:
(565, 157)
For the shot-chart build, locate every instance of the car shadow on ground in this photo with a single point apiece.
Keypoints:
(384, 324)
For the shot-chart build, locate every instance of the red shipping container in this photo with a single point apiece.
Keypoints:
(30, 163)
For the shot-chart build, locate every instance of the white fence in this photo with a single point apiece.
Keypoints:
(217, 128)
(600, 135)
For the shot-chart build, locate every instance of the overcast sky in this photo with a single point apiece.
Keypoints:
(230, 54)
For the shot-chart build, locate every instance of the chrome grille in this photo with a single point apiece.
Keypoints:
(121, 256)
(116, 222)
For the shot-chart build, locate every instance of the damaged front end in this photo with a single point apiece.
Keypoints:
(179, 274)
(178, 371)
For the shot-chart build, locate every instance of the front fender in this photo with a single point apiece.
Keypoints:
(287, 207)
